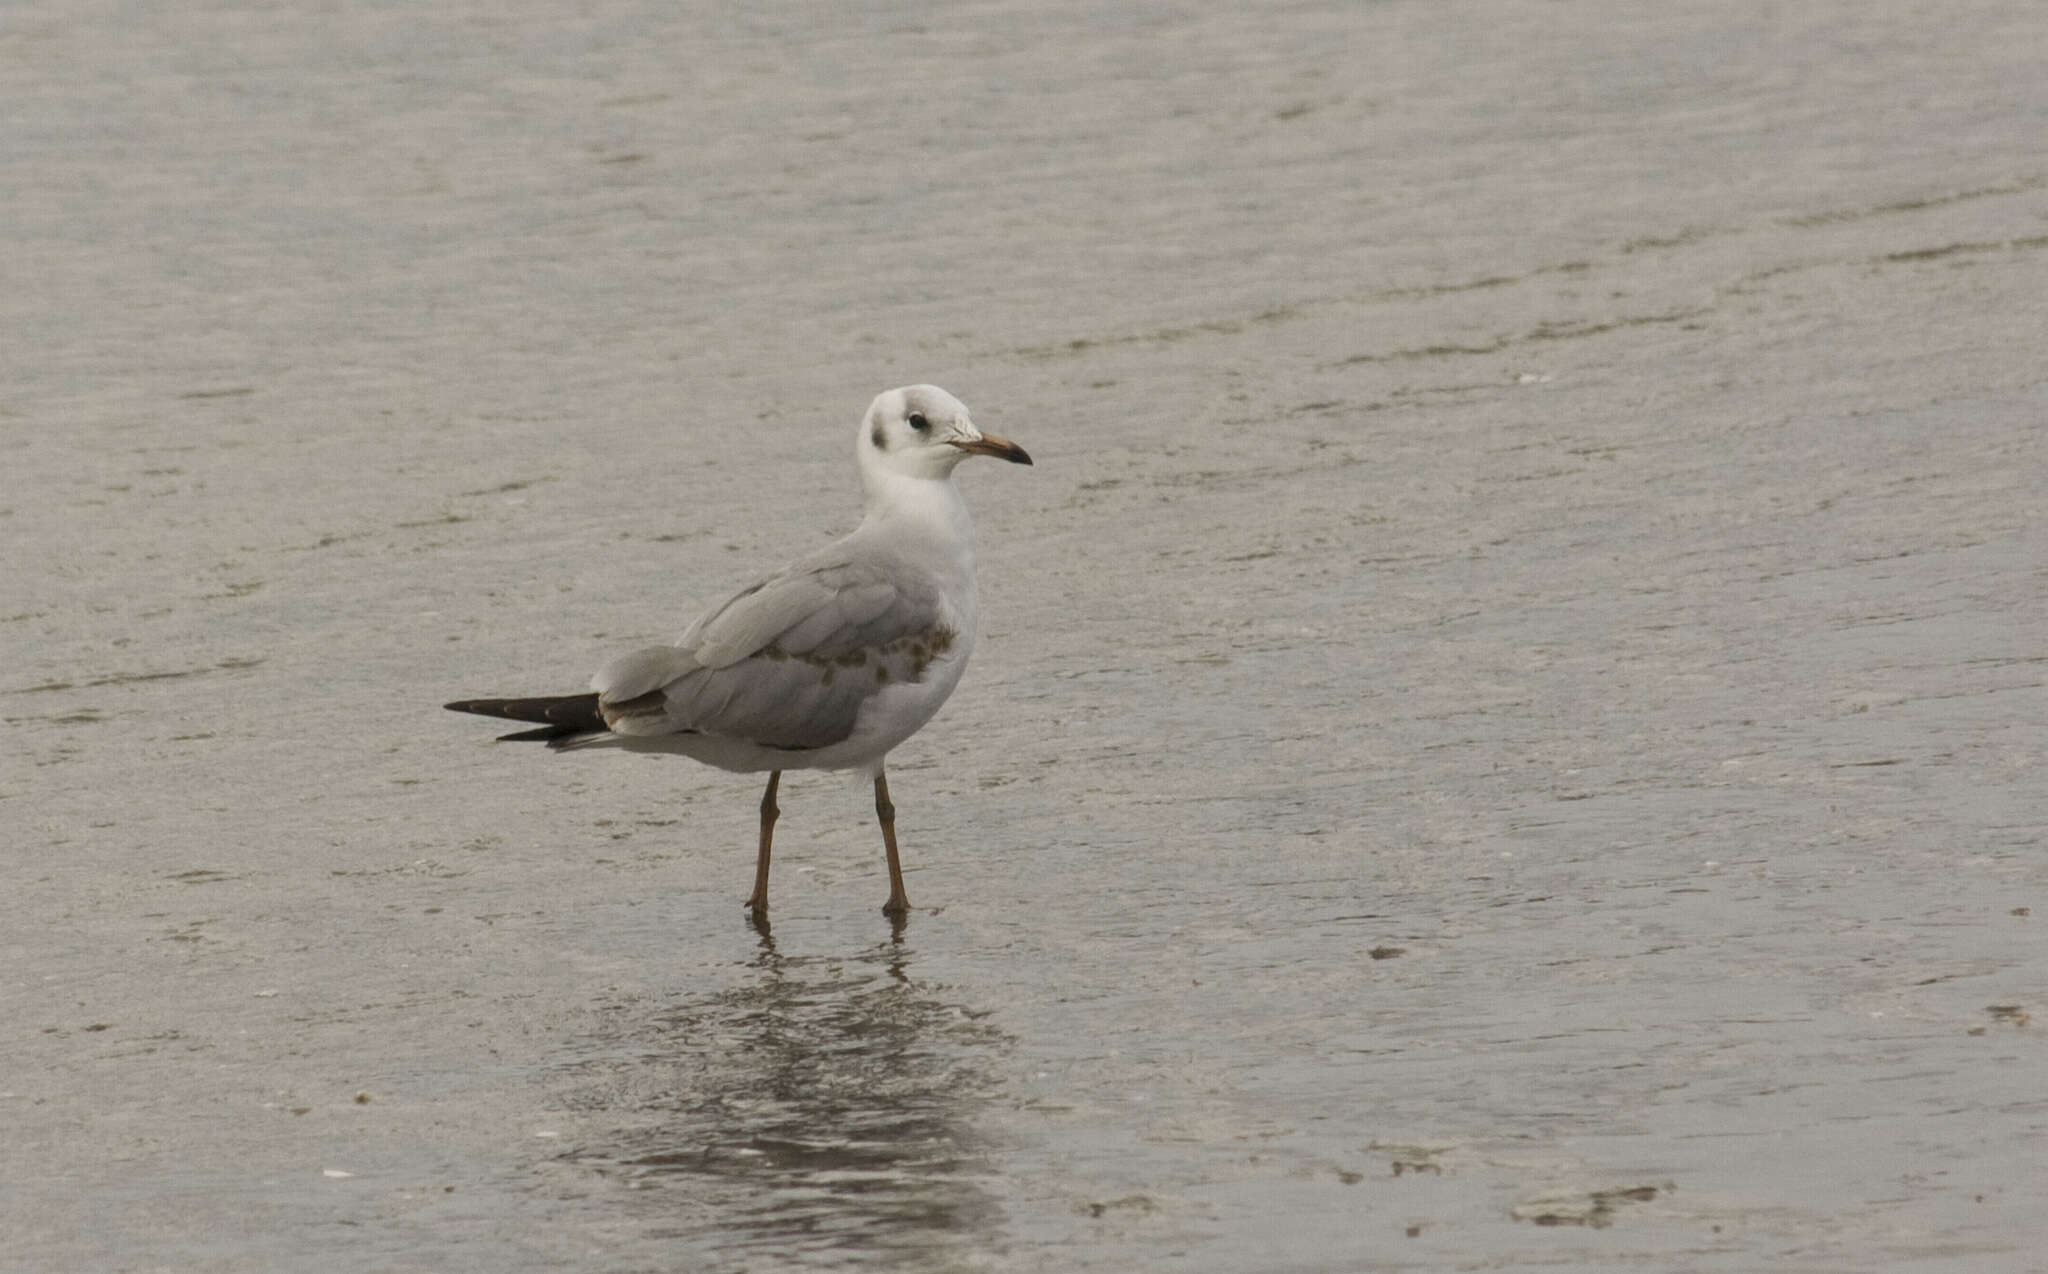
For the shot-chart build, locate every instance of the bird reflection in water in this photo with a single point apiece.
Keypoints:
(824, 1107)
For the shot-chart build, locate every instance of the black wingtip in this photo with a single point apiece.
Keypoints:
(557, 715)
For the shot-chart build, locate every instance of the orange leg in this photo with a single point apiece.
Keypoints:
(758, 904)
(898, 905)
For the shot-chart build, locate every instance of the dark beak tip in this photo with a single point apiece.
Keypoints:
(993, 445)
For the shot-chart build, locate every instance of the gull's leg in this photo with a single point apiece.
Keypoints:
(898, 905)
(758, 904)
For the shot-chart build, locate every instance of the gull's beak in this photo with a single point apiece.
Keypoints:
(990, 445)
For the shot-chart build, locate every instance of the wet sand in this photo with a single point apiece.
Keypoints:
(1509, 722)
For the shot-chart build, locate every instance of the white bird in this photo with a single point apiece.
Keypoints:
(831, 661)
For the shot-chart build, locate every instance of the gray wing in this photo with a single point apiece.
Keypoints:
(787, 663)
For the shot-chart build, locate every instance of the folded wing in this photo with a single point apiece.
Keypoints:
(789, 662)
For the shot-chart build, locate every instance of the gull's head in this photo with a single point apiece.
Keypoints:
(921, 431)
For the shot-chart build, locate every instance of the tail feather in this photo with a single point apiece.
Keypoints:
(560, 716)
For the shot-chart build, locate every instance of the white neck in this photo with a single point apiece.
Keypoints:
(925, 521)
(897, 498)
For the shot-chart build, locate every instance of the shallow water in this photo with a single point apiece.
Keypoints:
(1508, 727)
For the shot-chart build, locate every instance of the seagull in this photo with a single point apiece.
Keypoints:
(826, 664)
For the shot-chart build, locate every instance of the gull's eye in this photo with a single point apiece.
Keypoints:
(918, 422)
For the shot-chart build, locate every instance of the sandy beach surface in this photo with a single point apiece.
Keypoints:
(1508, 730)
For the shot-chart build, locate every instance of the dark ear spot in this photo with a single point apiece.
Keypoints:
(875, 436)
